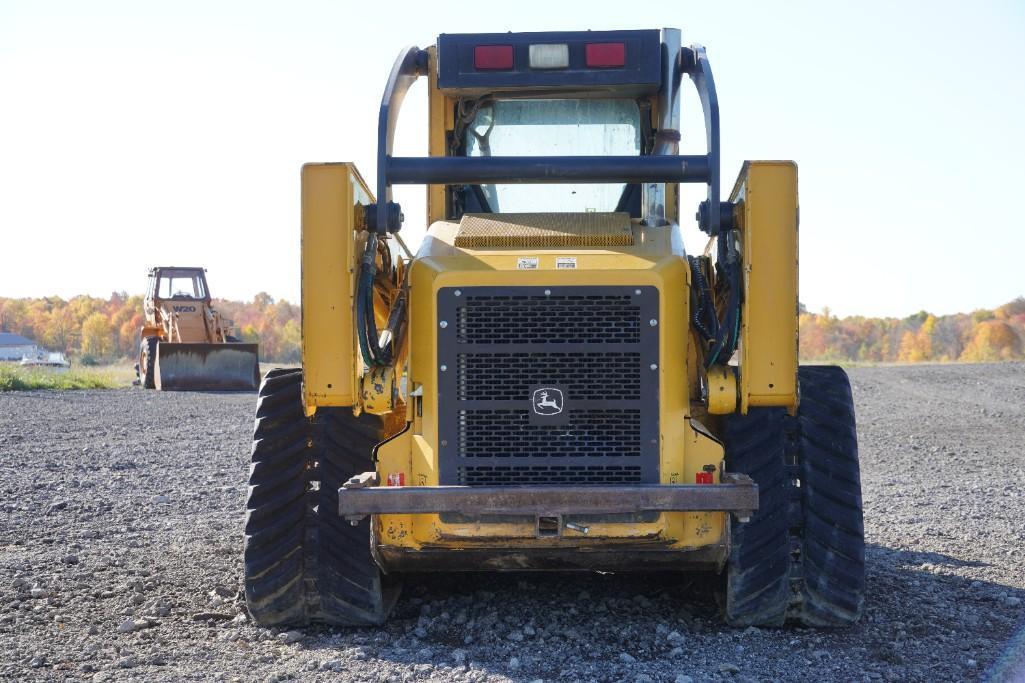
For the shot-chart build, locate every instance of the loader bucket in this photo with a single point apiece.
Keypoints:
(207, 367)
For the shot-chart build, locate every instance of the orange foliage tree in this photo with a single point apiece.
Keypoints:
(993, 340)
(981, 335)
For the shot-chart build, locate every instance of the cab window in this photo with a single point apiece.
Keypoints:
(181, 285)
(554, 127)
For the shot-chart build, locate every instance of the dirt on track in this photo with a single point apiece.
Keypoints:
(120, 559)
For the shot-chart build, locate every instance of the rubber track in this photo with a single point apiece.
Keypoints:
(833, 550)
(349, 582)
(801, 558)
(276, 506)
(302, 561)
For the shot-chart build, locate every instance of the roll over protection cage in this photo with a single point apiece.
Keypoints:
(386, 216)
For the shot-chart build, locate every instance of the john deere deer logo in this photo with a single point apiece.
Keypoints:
(547, 401)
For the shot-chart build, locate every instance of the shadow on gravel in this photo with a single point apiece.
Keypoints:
(918, 557)
(926, 619)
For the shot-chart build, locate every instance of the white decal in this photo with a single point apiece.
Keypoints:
(526, 263)
(565, 262)
(547, 401)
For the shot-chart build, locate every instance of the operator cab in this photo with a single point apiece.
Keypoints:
(179, 284)
(551, 123)
(546, 95)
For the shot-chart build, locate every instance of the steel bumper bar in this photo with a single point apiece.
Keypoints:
(360, 497)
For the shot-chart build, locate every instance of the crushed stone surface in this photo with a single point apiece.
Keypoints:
(121, 544)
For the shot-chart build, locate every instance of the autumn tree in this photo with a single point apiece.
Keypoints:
(993, 340)
(916, 346)
(97, 337)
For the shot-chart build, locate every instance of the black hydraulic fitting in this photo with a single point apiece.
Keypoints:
(727, 221)
(394, 221)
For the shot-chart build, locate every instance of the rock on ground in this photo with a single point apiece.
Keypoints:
(145, 491)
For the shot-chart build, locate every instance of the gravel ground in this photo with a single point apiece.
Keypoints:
(120, 559)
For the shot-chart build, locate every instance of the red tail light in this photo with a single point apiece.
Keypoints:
(605, 55)
(492, 57)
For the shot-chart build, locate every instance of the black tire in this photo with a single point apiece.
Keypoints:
(801, 558)
(302, 561)
(147, 361)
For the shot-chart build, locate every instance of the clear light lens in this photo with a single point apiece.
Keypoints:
(549, 56)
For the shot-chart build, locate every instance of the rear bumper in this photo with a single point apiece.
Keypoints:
(605, 557)
(359, 497)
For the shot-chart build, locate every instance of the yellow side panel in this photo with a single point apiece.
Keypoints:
(768, 215)
(330, 222)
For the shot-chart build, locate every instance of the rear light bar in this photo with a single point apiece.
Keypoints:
(628, 62)
(493, 57)
(605, 55)
(549, 56)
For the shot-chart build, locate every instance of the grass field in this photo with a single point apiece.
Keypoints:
(20, 378)
(14, 377)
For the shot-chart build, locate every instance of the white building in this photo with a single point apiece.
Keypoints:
(15, 347)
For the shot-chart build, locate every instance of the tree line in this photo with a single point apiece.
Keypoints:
(95, 330)
(92, 329)
(982, 335)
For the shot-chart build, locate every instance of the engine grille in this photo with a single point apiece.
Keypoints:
(591, 349)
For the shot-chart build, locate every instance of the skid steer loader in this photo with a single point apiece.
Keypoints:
(186, 344)
(551, 381)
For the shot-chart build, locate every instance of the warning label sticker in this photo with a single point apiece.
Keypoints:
(565, 262)
(526, 263)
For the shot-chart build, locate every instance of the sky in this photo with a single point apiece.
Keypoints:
(135, 134)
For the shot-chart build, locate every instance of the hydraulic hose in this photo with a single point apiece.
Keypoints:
(377, 349)
(729, 329)
(703, 315)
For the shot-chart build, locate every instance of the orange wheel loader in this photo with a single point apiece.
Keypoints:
(186, 344)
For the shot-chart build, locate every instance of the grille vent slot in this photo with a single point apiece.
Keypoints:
(509, 376)
(566, 319)
(502, 475)
(509, 434)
